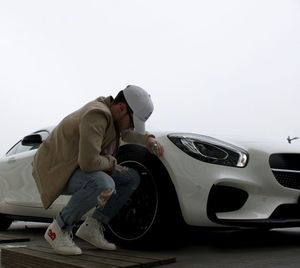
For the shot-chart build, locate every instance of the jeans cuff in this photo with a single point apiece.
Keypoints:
(63, 226)
(100, 217)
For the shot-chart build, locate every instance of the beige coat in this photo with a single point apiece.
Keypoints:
(79, 140)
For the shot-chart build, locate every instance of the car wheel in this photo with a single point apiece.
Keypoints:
(153, 211)
(4, 222)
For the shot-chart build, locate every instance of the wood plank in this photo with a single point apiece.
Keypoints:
(140, 261)
(26, 258)
(44, 256)
(90, 258)
(146, 256)
(161, 259)
(12, 238)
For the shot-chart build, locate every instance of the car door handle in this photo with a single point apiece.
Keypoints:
(11, 160)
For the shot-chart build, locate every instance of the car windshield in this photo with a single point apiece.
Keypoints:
(20, 148)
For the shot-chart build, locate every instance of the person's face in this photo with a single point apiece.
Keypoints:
(125, 118)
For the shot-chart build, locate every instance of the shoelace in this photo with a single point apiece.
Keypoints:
(101, 229)
(69, 238)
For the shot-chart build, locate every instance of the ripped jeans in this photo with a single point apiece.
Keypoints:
(86, 187)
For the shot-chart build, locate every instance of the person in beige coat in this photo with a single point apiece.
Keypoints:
(78, 159)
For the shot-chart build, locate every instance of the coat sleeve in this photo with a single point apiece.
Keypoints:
(92, 129)
(135, 137)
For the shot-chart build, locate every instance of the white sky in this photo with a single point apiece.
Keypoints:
(210, 66)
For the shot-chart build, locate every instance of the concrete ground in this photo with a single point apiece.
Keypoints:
(200, 248)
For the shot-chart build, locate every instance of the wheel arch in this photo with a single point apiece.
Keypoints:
(169, 210)
(154, 161)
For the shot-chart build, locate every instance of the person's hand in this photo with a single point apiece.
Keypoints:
(155, 147)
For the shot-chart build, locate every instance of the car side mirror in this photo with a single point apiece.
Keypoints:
(32, 140)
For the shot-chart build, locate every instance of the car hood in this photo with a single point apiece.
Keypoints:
(270, 145)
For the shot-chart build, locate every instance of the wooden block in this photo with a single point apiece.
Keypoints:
(43, 256)
(160, 259)
(12, 238)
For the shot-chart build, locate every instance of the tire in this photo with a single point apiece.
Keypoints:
(152, 214)
(5, 222)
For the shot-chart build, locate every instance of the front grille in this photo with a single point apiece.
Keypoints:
(288, 179)
(224, 198)
(286, 169)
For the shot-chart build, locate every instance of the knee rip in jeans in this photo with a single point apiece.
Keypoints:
(104, 196)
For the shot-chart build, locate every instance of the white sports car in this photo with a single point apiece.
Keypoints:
(200, 181)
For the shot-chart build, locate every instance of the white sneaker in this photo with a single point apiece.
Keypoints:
(92, 231)
(61, 241)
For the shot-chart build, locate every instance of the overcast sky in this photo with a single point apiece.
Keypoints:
(210, 66)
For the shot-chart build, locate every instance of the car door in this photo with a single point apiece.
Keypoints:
(17, 186)
(16, 183)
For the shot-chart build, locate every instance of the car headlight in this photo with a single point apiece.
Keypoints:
(210, 150)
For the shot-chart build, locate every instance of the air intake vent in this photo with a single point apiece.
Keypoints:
(286, 169)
